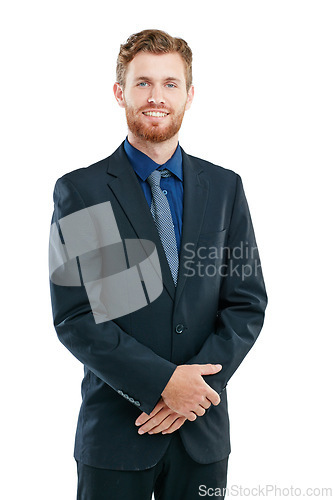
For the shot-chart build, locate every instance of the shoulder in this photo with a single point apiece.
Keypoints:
(80, 188)
(94, 174)
(214, 172)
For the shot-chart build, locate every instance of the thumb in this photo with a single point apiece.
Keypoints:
(209, 369)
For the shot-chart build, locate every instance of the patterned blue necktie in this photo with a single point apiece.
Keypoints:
(160, 210)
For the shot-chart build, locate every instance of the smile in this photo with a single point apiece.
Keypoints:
(157, 114)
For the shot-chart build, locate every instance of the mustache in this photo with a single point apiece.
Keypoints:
(156, 107)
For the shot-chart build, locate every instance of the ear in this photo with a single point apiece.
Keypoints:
(119, 94)
(190, 96)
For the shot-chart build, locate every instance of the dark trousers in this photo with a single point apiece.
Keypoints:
(175, 477)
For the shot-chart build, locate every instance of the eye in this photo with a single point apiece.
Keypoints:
(142, 84)
(171, 85)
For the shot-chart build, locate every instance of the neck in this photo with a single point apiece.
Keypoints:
(160, 152)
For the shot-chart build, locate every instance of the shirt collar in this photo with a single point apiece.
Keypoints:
(144, 166)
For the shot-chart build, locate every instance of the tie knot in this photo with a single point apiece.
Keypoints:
(155, 177)
(165, 173)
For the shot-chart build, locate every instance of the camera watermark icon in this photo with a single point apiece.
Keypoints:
(120, 276)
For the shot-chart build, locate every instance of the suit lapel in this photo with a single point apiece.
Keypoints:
(126, 188)
(196, 189)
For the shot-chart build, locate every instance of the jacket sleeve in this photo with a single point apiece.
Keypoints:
(130, 368)
(242, 299)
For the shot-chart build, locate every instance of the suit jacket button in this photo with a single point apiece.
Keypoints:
(179, 328)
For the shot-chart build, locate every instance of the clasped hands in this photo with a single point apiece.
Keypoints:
(185, 397)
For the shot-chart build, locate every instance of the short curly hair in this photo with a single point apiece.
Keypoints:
(155, 42)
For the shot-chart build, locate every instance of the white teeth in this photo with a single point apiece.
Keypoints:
(155, 113)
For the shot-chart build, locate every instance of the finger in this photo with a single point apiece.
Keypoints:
(212, 396)
(206, 404)
(200, 411)
(191, 416)
(154, 421)
(144, 417)
(209, 369)
(167, 422)
(175, 426)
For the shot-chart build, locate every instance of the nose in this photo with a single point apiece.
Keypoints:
(156, 95)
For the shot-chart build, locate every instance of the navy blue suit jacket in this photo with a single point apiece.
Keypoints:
(214, 315)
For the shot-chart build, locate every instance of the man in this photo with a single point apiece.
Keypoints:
(154, 411)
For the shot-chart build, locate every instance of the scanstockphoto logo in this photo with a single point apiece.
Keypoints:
(267, 490)
(241, 261)
(120, 276)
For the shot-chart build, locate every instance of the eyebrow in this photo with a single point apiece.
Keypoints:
(173, 78)
(168, 78)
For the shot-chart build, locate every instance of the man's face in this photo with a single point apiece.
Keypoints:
(155, 96)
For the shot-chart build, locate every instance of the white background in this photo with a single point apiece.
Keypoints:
(264, 108)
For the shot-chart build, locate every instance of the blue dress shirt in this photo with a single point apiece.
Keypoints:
(172, 186)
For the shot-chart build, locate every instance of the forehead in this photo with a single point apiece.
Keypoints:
(156, 66)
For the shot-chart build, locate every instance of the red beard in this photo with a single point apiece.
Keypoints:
(153, 132)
